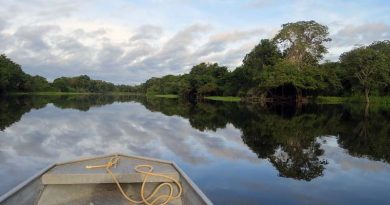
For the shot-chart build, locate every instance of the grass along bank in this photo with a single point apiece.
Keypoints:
(70, 93)
(384, 100)
(224, 98)
(216, 98)
(165, 96)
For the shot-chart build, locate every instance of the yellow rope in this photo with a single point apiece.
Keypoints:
(113, 163)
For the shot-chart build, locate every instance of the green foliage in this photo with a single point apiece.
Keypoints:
(286, 66)
(383, 47)
(263, 68)
(374, 100)
(330, 100)
(166, 96)
(266, 70)
(368, 68)
(224, 98)
(334, 78)
(302, 42)
(205, 79)
(168, 84)
(285, 73)
(264, 54)
(245, 79)
(37, 84)
(82, 83)
(13, 79)
(128, 88)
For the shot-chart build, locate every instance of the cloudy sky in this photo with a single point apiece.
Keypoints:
(129, 41)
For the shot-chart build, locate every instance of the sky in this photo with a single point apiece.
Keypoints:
(130, 41)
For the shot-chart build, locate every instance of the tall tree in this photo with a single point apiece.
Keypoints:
(12, 77)
(206, 79)
(367, 67)
(302, 42)
(384, 48)
(265, 53)
(245, 79)
(309, 78)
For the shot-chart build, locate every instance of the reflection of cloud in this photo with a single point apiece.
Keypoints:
(339, 160)
(51, 134)
(218, 161)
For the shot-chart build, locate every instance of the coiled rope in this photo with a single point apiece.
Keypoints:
(146, 200)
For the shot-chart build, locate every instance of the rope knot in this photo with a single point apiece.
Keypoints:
(113, 162)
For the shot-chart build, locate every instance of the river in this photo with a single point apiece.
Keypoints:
(236, 153)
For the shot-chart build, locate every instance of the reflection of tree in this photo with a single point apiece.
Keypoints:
(202, 116)
(265, 132)
(12, 108)
(289, 143)
(366, 135)
(293, 161)
(83, 102)
(286, 136)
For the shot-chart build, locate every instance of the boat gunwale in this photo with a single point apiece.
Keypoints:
(111, 155)
(23, 184)
(192, 184)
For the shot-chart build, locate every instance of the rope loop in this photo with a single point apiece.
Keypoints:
(147, 171)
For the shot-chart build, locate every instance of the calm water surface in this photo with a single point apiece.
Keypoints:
(236, 153)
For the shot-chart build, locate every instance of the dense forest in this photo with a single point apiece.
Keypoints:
(287, 67)
(13, 79)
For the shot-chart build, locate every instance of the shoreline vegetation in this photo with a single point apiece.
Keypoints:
(287, 68)
(164, 96)
(381, 100)
(223, 98)
(72, 93)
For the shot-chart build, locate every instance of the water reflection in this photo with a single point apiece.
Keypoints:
(287, 135)
(298, 142)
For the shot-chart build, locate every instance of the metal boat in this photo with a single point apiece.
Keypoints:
(99, 180)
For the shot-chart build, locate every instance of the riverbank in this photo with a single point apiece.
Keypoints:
(384, 100)
(70, 93)
(224, 98)
(164, 96)
(215, 98)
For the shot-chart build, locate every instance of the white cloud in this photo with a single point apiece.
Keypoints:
(361, 34)
(349, 36)
(125, 42)
(147, 32)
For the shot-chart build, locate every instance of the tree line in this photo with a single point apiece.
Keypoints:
(286, 67)
(14, 79)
